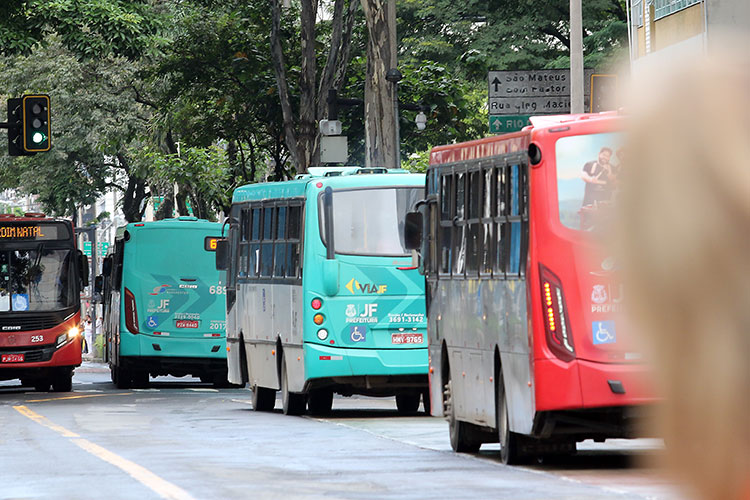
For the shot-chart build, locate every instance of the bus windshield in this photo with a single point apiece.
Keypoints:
(588, 177)
(37, 280)
(370, 221)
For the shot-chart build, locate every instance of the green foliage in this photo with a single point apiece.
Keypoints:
(89, 28)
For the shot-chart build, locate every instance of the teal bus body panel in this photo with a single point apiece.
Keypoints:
(178, 294)
(377, 297)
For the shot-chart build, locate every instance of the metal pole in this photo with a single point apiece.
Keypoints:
(396, 131)
(92, 278)
(576, 57)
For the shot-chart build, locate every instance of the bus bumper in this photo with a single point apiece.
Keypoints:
(168, 347)
(67, 356)
(366, 371)
(586, 384)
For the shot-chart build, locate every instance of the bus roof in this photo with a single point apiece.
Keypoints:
(183, 222)
(296, 188)
(512, 142)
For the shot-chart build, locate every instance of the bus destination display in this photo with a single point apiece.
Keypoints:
(32, 232)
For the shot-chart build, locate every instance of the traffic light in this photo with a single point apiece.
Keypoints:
(36, 123)
(15, 116)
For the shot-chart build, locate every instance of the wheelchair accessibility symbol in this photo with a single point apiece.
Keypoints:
(604, 332)
(357, 333)
(151, 322)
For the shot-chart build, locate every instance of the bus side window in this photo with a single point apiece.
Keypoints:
(294, 234)
(266, 247)
(280, 244)
(459, 227)
(253, 268)
(487, 212)
(244, 252)
(446, 223)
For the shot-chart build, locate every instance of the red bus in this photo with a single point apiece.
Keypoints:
(41, 276)
(526, 344)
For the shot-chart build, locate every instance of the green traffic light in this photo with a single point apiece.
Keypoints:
(38, 138)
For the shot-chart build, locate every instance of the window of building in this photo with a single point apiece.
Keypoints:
(663, 8)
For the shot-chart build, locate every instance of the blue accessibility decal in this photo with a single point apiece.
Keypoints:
(152, 322)
(358, 333)
(603, 332)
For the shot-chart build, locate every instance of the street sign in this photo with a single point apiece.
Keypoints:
(535, 92)
(503, 124)
(103, 246)
(87, 248)
(534, 83)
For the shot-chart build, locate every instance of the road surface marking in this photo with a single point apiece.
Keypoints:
(23, 410)
(78, 397)
(161, 487)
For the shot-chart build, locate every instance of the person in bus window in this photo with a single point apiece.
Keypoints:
(598, 176)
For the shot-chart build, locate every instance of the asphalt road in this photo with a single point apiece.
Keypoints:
(182, 439)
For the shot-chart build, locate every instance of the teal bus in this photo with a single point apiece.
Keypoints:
(321, 296)
(163, 303)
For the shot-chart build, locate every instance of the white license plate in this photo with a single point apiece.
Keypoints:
(406, 338)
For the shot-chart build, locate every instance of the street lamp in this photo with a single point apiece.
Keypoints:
(421, 120)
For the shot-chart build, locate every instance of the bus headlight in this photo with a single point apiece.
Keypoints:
(61, 339)
(322, 334)
(73, 332)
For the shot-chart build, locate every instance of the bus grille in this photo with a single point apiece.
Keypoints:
(28, 323)
(33, 354)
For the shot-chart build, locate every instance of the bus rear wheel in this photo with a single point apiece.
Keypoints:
(63, 382)
(41, 385)
(292, 403)
(407, 402)
(460, 432)
(121, 377)
(264, 399)
(140, 379)
(509, 441)
(320, 401)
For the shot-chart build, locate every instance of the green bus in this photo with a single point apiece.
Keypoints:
(322, 297)
(163, 303)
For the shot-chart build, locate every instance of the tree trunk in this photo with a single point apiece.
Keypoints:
(379, 120)
(135, 193)
(307, 140)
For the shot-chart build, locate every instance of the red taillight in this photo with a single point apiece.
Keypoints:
(556, 320)
(131, 314)
(316, 304)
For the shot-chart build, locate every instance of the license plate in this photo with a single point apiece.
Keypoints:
(12, 358)
(186, 323)
(406, 338)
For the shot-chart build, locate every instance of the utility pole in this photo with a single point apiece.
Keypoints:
(576, 57)
(394, 76)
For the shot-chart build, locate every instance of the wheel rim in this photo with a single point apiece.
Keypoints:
(284, 388)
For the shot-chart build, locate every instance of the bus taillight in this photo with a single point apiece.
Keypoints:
(131, 314)
(556, 321)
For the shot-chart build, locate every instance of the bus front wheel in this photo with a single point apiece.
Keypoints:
(460, 432)
(121, 377)
(42, 385)
(63, 382)
(320, 401)
(264, 399)
(292, 403)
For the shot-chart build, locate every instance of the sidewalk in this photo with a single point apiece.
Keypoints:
(92, 366)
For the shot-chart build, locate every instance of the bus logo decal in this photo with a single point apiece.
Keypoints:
(355, 286)
(603, 332)
(351, 311)
(599, 294)
(159, 289)
(356, 334)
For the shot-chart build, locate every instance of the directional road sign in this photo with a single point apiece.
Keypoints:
(535, 92)
(503, 124)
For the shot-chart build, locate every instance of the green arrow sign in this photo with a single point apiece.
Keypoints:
(503, 124)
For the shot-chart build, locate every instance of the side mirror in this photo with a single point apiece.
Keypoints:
(413, 231)
(98, 287)
(83, 268)
(222, 253)
(107, 266)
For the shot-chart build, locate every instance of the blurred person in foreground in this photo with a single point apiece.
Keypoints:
(685, 244)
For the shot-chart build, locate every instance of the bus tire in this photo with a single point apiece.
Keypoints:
(426, 406)
(41, 385)
(292, 403)
(320, 402)
(509, 441)
(121, 377)
(407, 403)
(140, 379)
(63, 382)
(460, 432)
(264, 399)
